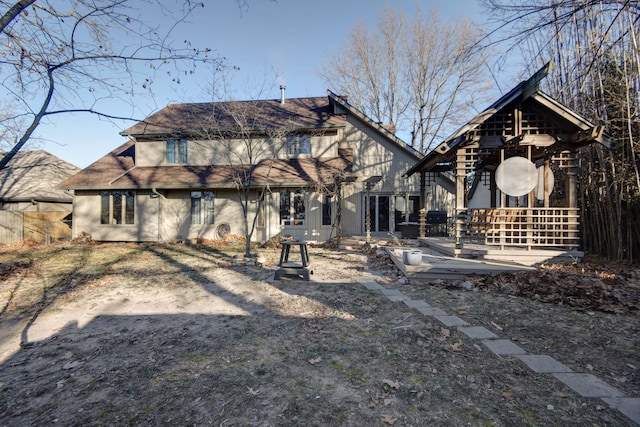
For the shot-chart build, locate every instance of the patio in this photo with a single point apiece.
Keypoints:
(438, 265)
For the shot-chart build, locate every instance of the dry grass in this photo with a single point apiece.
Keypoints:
(137, 334)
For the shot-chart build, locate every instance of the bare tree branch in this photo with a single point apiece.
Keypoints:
(13, 12)
(72, 56)
(410, 73)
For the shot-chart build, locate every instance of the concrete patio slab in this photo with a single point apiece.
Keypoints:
(392, 292)
(416, 303)
(477, 332)
(503, 347)
(543, 364)
(588, 385)
(431, 311)
(372, 286)
(436, 265)
(629, 406)
(451, 321)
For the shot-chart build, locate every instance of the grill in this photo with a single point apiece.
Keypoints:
(436, 217)
(437, 223)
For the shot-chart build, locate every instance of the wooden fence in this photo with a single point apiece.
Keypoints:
(39, 227)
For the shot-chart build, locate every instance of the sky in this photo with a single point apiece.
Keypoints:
(283, 42)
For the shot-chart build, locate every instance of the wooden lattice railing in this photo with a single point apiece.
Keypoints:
(524, 227)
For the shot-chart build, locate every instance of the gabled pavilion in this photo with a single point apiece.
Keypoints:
(515, 168)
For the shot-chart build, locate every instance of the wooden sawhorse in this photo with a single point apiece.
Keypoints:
(288, 267)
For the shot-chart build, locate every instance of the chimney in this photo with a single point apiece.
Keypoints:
(282, 88)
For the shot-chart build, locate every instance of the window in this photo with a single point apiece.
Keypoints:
(299, 144)
(176, 151)
(292, 208)
(117, 207)
(202, 211)
(326, 209)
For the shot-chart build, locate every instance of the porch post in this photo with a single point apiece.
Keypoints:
(460, 196)
(368, 183)
(572, 178)
(422, 220)
(367, 215)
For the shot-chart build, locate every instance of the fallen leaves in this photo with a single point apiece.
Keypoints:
(392, 384)
(388, 419)
(585, 285)
(444, 334)
(13, 268)
(385, 396)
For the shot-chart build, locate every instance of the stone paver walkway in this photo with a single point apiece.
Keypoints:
(586, 385)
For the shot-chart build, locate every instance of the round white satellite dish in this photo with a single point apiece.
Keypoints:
(516, 176)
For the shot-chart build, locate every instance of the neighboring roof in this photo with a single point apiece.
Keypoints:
(116, 170)
(33, 176)
(527, 89)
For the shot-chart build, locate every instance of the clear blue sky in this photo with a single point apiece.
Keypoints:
(290, 37)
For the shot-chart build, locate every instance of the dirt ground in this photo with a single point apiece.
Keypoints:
(190, 334)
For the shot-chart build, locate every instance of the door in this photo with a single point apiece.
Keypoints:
(380, 220)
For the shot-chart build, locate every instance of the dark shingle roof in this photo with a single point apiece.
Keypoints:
(303, 113)
(116, 170)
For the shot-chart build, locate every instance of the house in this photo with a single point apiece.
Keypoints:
(514, 167)
(178, 176)
(31, 206)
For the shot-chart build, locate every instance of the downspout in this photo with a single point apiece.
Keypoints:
(267, 211)
(155, 191)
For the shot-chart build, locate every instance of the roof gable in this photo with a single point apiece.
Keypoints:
(537, 114)
(340, 103)
(104, 170)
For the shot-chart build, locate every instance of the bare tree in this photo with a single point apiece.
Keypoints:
(594, 45)
(249, 145)
(419, 75)
(60, 57)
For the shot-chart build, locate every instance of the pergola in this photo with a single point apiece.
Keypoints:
(515, 170)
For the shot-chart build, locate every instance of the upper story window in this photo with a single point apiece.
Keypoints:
(202, 210)
(298, 144)
(117, 207)
(176, 150)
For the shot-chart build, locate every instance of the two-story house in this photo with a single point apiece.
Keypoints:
(180, 174)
